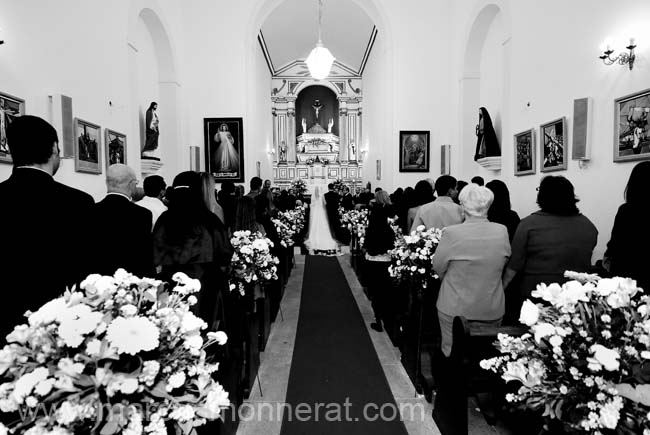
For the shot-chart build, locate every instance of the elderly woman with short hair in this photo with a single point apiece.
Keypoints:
(470, 260)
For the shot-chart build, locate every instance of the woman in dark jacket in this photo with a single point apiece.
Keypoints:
(627, 247)
(500, 211)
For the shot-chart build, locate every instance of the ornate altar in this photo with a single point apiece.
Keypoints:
(316, 127)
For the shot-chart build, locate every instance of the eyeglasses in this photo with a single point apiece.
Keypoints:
(537, 188)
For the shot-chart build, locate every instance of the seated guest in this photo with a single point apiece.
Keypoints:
(422, 194)
(209, 191)
(554, 239)
(443, 211)
(46, 225)
(470, 260)
(246, 216)
(500, 211)
(189, 238)
(154, 191)
(478, 180)
(627, 247)
(379, 241)
(123, 236)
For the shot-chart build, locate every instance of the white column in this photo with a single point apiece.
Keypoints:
(291, 135)
(343, 134)
(276, 142)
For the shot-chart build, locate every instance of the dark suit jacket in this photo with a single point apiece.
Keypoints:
(332, 204)
(44, 242)
(122, 237)
(347, 202)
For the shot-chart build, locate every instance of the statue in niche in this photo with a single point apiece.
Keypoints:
(330, 125)
(304, 126)
(283, 152)
(353, 155)
(152, 132)
(487, 144)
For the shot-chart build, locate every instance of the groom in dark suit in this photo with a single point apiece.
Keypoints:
(332, 199)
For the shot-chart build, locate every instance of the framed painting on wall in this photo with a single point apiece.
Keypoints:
(553, 145)
(414, 151)
(115, 147)
(224, 148)
(632, 127)
(10, 108)
(87, 153)
(525, 152)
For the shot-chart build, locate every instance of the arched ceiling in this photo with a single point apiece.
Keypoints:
(291, 31)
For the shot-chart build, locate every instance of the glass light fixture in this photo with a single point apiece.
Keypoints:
(320, 59)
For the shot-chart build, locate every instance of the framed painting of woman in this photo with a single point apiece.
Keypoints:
(224, 148)
(414, 151)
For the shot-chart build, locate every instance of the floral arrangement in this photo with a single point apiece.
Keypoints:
(339, 186)
(299, 186)
(289, 224)
(356, 221)
(586, 361)
(115, 356)
(412, 257)
(252, 262)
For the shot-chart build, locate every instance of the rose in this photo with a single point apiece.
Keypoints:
(542, 330)
(529, 314)
(607, 358)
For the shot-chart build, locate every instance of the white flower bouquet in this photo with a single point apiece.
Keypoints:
(252, 262)
(115, 356)
(412, 257)
(289, 224)
(356, 221)
(586, 362)
(299, 186)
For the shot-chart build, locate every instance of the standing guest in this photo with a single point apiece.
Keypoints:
(189, 238)
(292, 200)
(332, 199)
(500, 211)
(402, 210)
(239, 191)
(379, 241)
(470, 260)
(283, 200)
(627, 247)
(246, 216)
(123, 239)
(478, 180)
(554, 239)
(155, 189)
(347, 202)
(226, 199)
(209, 191)
(365, 197)
(256, 187)
(46, 224)
(442, 212)
(459, 188)
(422, 194)
(267, 184)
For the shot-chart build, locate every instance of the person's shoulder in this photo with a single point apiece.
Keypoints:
(72, 195)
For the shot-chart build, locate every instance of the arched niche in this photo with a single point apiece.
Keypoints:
(154, 77)
(304, 110)
(487, 44)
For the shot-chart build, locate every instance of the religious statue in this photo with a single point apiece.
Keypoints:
(353, 155)
(330, 125)
(152, 132)
(487, 144)
(283, 152)
(304, 126)
(317, 106)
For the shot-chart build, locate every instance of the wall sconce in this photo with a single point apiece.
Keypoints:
(623, 58)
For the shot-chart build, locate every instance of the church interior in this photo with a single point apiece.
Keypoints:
(564, 87)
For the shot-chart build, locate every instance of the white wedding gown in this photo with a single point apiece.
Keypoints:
(319, 238)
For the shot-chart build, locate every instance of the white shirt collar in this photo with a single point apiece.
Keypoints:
(34, 167)
(120, 194)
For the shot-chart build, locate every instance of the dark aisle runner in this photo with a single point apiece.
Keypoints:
(335, 378)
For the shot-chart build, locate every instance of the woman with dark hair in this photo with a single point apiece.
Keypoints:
(500, 211)
(209, 191)
(422, 194)
(554, 239)
(189, 238)
(246, 216)
(626, 250)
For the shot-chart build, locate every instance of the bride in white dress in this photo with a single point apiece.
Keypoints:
(320, 237)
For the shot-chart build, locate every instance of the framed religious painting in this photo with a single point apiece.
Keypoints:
(224, 148)
(115, 144)
(553, 145)
(632, 127)
(87, 151)
(414, 151)
(525, 152)
(10, 108)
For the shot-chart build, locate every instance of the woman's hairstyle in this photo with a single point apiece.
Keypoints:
(422, 194)
(635, 191)
(208, 191)
(556, 196)
(245, 219)
(187, 211)
(501, 203)
(476, 200)
(382, 197)
(153, 103)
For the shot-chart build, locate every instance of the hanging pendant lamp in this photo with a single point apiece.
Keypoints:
(320, 59)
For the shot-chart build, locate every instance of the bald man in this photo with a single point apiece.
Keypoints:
(122, 237)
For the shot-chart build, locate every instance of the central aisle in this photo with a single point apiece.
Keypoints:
(335, 372)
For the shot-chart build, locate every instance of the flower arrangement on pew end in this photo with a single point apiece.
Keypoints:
(289, 224)
(252, 262)
(356, 221)
(412, 257)
(585, 364)
(115, 356)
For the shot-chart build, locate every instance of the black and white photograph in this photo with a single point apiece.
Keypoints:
(10, 108)
(553, 145)
(524, 144)
(632, 127)
(88, 147)
(414, 151)
(115, 144)
(224, 148)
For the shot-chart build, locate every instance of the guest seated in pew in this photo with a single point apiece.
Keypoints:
(470, 260)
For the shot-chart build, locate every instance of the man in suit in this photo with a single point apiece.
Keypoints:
(123, 237)
(347, 202)
(256, 187)
(332, 199)
(443, 211)
(45, 224)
